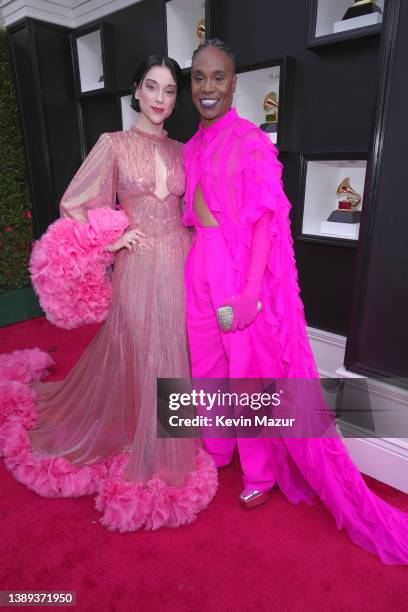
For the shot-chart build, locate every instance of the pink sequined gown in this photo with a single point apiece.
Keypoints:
(96, 430)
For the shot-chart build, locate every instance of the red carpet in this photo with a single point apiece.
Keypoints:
(276, 557)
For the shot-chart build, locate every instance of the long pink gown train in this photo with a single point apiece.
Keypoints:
(95, 432)
(240, 177)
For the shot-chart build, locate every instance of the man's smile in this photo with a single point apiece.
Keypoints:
(208, 102)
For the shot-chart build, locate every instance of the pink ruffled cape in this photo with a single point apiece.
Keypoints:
(240, 176)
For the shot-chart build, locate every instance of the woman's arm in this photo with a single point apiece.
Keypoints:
(94, 185)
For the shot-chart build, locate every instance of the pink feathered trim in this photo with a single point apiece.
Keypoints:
(69, 267)
(25, 366)
(47, 476)
(16, 370)
(128, 507)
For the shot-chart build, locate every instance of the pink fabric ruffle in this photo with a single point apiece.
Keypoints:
(69, 267)
(16, 370)
(128, 507)
(25, 366)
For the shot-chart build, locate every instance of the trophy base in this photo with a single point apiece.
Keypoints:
(272, 130)
(345, 216)
(349, 231)
(357, 22)
(269, 128)
(367, 8)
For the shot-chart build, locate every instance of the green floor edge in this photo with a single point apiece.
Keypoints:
(19, 305)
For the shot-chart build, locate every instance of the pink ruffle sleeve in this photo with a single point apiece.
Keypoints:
(69, 264)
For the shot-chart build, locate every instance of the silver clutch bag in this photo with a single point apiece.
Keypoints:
(225, 316)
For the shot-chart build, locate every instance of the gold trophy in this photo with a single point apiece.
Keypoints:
(201, 31)
(360, 8)
(271, 108)
(348, 201)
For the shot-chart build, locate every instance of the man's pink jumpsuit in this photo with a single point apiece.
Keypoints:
(240, 177)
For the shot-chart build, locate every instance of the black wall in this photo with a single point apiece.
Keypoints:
(44, 79)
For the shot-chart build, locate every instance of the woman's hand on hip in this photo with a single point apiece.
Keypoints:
(130, 240)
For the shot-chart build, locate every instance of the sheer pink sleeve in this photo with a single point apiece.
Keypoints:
(94, 185)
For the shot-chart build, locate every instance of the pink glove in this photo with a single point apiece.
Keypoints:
(245, 304)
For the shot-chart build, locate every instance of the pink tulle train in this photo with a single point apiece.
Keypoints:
(126, 506)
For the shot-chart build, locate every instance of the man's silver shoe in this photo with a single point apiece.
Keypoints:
(253, 498)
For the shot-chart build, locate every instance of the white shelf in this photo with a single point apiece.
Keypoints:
(89, 48)
(322, 179)
(183, 17)
(129, 116)
(331, 12)
(252, 87)
(357, 22)
(340, 230)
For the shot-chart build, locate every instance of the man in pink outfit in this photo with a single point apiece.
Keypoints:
(231, 203)
(243, 254)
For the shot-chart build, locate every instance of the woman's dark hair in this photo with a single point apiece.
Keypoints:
(143, 69)
(218, 44)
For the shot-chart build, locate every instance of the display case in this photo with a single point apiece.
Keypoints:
(332, 190)
(332, 21)
(185, 21)
(93, 59)
(263, 96)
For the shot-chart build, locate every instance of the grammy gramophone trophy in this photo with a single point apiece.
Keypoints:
(348, 202)
(201, 31)
(360, 8)
(271, 108)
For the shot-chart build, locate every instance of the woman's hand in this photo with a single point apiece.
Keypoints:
(130, 241)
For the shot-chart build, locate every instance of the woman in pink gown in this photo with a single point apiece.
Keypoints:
(95, 432)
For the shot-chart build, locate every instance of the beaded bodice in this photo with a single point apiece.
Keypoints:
(143, 171)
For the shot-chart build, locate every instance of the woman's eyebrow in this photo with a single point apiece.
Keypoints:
(156, 83)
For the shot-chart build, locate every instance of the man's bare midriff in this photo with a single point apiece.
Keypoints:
(202, 211)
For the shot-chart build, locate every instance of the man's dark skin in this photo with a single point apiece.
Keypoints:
(213, 83)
